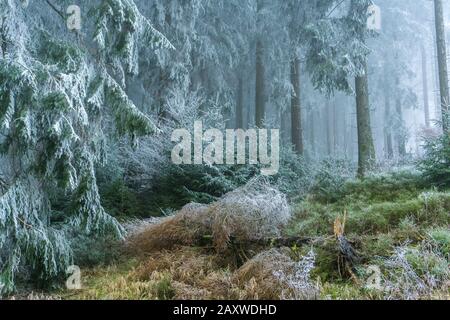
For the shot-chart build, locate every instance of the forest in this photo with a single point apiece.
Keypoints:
(224, 150)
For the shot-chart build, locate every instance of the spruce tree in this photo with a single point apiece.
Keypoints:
(57, 92)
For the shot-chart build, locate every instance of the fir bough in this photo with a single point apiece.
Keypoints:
(56, 96)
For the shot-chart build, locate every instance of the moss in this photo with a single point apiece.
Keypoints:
(312, 218)
(341, 291)
(381, 245)
(428, 263)
(381, 217)
(441, 238)
(386, 187)
(326, 266)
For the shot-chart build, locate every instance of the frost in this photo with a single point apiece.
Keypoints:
(59, 97)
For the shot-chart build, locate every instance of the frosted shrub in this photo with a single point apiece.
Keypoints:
(272, 274)
(250, 213)
(414, 273)
(331, 177)
(297, 283)
(254, 211)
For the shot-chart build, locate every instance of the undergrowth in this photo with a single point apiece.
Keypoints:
(394, 222)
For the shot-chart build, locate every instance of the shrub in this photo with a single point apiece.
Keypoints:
(330, 179)
(273, 274)
(436, 163)
(175, 186)
(440, 237)
(120, 200)
(383, 187)
(414, 273)
(252, 212)
(89, 251)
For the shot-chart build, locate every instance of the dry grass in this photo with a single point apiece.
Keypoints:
(194, 274)
(253, 212)
(184, 228)
(256, 277)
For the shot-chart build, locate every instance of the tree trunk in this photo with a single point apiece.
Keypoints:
(259, 89)
(335, 127)
(399, 126)
(240, 104)
(260, 108)
(296, 115)
(345, 129)
(366, 149)
(442, 62)
(435, 78)
(426, 103)
(389, 150)
(312, 133)
(327, 125)
(3, 38)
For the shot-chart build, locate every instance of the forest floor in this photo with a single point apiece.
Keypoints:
(397, 230)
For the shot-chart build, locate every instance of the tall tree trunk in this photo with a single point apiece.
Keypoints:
(426, 102)
(313, 133)
(260, 108)
(259, 89)
(335, 127)
(400, 134)
(366, 149)
(285, 120)
(345, 129)
(442, 62)
(296, 115)
(435, 77)
(389, 150)
(3, 39)
(328, 126)
(240, 104)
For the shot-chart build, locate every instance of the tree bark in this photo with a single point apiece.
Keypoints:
(442, 63)
(366, 149)
(260, 108)
(335, 127)
(312, 132)
(296, 115)
(3, 37)
(426, 102)
(327, 125)
(240, 104)
(400, 135)
(388, 123)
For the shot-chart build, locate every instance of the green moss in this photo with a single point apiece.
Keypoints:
(381, 245)
(326, 266)
(338, 291)
(440, 237)
(427, 263)
(382, 188)
(381, 217)
(312, 218)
